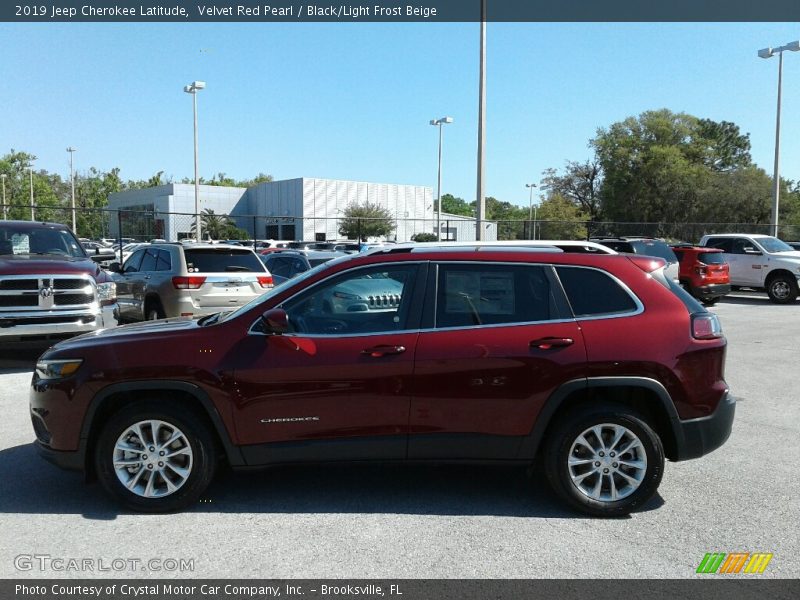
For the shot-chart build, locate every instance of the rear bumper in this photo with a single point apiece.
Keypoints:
(713, 290)
(704, 435)
(24, 325)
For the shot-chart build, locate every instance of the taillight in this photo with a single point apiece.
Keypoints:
(265, 280)
(188, 283)
(706, 326)
(700, 268)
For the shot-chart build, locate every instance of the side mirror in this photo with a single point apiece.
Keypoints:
(276, 321)
(751, 250)
(115, 267)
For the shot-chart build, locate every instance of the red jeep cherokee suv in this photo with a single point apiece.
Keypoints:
(599, 363)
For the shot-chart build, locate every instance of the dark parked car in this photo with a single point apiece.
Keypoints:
(646, 247)
(286, 264)
(703, 272)
(599, 363)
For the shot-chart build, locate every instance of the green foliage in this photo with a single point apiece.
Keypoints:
(580, 184)
(362, 221)
(559, 219)
(424, 237)
(455, 206)
(666, 168)
(219, 227)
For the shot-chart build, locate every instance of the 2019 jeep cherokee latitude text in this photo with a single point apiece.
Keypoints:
(597, 362)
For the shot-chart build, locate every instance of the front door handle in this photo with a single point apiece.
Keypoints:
(546, 343)
(378, 351)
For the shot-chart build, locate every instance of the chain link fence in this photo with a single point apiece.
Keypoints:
(144, 226)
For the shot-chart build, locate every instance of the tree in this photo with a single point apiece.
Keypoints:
(423, 237)
(366, 220)
(559, 219)
(666, 168)
(580, 184)
(219, 227)
(454, 206)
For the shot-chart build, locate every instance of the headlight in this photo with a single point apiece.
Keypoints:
(107, 293)
(57, 369)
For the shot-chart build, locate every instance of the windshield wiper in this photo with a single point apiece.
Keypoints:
(208, 319)
(236, 268)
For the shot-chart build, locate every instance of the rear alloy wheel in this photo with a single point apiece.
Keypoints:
(782, 289)
(155, 459)
(154, 311)
(605, 462)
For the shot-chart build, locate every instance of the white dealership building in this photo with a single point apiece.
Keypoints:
(293, 209)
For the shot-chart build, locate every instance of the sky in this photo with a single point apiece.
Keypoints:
(354, 100)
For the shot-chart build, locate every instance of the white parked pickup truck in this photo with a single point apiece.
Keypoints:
(761, 262)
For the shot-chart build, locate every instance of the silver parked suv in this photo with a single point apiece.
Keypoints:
(183, 280)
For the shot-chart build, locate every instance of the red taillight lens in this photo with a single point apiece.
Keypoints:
(700, 268)
(188, 283)
(265, 280)
(706, 327)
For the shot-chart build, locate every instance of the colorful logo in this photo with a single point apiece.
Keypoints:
(736, 562)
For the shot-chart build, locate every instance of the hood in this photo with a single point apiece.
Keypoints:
(123, 333)
(793, 255)
(27, 264)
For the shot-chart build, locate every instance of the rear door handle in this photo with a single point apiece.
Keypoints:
(546, 343)
(378, 351)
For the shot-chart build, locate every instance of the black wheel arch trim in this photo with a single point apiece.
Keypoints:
(531, 442)
(232, 451)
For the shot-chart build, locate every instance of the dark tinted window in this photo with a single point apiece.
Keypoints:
(726, 244)
(149, 260)
(318, 261)
(133, 262)
(655, 248)
(617, 245)
(207, 260)
(469, 295)
(592, 292)
(678, 253)
(711, 258)
(164, 261)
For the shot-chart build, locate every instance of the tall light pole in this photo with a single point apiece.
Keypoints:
(5, 207)
(192, 89)
(439, 123)
(531, 214)
(71, 151)
(776, 180)
(33, 213)
(480, 200)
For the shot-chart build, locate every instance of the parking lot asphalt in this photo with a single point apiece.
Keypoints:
(437, 521)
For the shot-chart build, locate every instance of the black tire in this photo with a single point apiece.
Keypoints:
(200, 440)
(153, 310)
(565, 433)
(782, 289)
(709, 301)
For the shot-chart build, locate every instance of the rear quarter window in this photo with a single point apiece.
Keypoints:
(591, 292)
(208, 260)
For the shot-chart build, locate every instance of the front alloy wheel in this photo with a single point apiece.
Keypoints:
(152, 458)
(604, 460)
(156, 455)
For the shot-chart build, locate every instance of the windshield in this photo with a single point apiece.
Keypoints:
(294, 281)
(771, 244)
(21, 240)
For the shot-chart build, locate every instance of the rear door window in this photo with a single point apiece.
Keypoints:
(163, 261)
(150, 260)
(211, 260)
(471, 295)
(593, 293)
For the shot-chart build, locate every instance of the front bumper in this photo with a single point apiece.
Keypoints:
(706, 434)
(72, 461)
(22, 326)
